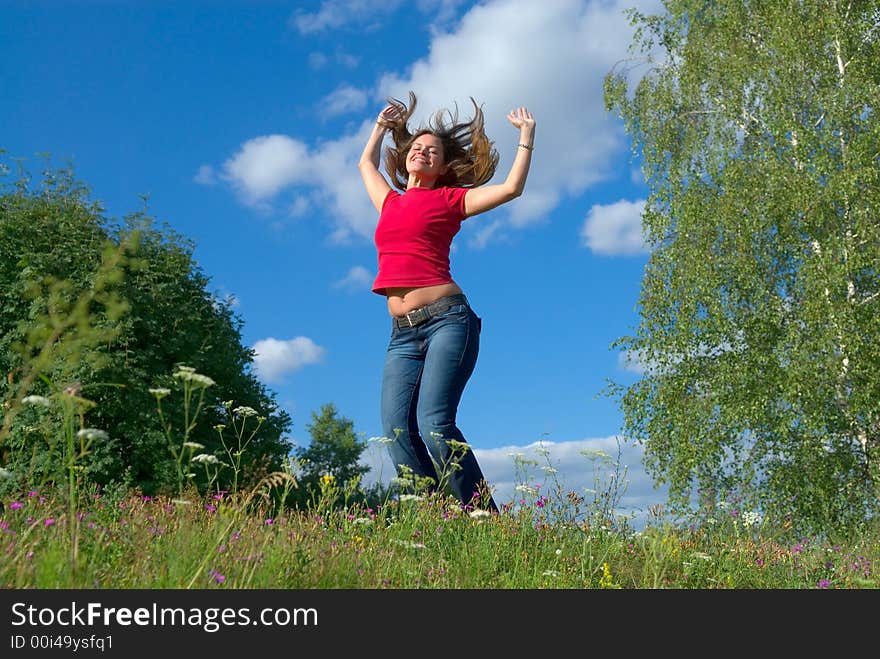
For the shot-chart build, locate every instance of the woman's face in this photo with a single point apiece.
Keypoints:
(425, 157)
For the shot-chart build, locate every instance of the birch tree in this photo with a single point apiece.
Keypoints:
(756, 125)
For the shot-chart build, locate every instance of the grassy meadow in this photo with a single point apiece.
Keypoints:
(122, 541)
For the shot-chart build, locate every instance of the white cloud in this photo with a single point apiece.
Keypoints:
(551, 57)
(334, 14)
(347, 60)
(205, 175)
(265, 165)
(636, 361)
(318, 60)
(440, 11)
(299, 207)
(276, 358)
(632, 361)
(327, 17)
(637, 176)
(343, 100)
(481, 236)
(581, 467)
(615, 228)
(341, 188)
(357, 279)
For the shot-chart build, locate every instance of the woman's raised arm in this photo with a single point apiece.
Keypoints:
(486, 197)
(376, 185)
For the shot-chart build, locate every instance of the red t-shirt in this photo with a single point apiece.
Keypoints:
(413, 236)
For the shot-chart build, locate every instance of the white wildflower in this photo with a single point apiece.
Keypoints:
(202, 380)
(5, 473)
(205, 458)
(363, 520)
(527, 489)
(91, 434)
(457, 446)
(381, 440)
(411, 545)
(549, 573)
(195, 446)
(751, 518)
(410, 497)
(36, 400)
(549, 470)
(479, 514)
(159, 392)
(188, 374)
(245, 411)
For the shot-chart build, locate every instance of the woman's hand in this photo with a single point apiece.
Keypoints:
(388, 116)
(376, 184)
(521, 118)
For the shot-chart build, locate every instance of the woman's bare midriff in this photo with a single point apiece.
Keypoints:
(403, 300)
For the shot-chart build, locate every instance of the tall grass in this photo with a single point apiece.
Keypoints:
(128, 541)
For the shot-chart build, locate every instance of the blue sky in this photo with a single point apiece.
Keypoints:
(242, 123)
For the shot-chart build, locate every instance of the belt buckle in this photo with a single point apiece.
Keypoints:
(416, 313)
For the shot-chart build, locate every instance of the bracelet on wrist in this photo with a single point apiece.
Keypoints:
(526, 147)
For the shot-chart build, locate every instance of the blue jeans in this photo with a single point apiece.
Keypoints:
(426, 370)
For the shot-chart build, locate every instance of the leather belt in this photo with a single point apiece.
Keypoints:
(422, 315)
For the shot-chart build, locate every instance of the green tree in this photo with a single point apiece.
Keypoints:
(756, 126)
(334, 451)
(53, 240)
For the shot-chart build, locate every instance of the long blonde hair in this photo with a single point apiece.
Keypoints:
(470, 156)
